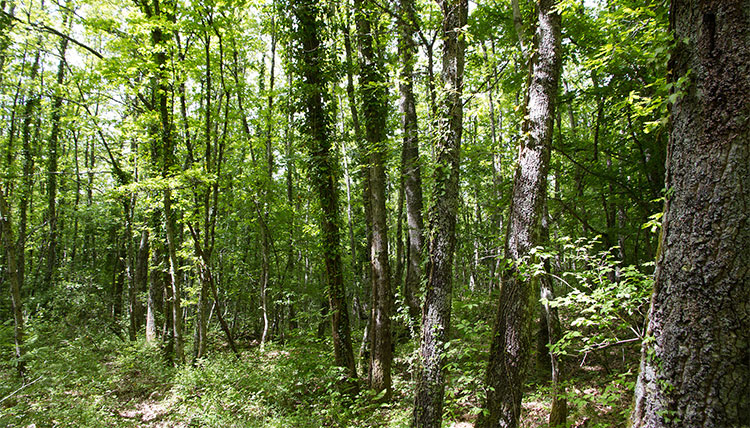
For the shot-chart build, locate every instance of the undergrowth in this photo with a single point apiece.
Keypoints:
(81, 374)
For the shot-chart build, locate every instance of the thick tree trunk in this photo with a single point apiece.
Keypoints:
(410, 159)
(428, 403)
(324, 174)
(512, 336)
(695, 369)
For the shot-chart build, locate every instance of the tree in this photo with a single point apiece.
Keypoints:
(6, 237)
(511, 338)
(410, 157)
(374, 113)
(694, 365)
(163, 147)
(313, 93)
(52, 162)
(436, 313)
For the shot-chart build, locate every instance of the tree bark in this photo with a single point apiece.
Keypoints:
(140, 280)
(6, 237)
(512, 335)
(374, 112)
(695, 369)
(154, 293)
(428, 404)
(323, 172)
(410, 158)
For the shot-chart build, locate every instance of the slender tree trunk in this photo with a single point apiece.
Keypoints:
(164, 150)
(374, 110)
(496, 138)
(153, 296)
(412, 174)
(323, 172)
(90, 163)
(128, 208)
(52, 156)
(361, 272)
(428, 404)
(695, 369)
(140, 276)
(208, 281)
(6, 237)
(118, 279)
(518, 25)
(290, 172)
(76, 201)
(349, 211)
(175, 276)
(201, 325)
(32, 101)
(168, 303)
(559, 410)
(268, 188)
(512, 335)
(553, 333)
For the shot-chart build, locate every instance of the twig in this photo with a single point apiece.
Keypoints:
(19, 389)
(605, 345)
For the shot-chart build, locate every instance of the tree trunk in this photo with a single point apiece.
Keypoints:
(163, 152)
(323, 173)
(175, 277)
(51, 268)
(512, 335)
(374, 112)
(695, 369)
(140, 277)
(412, 173)
(553, 333)
(128, 208)
(6, 237)
(32, 102)
(154, 295)
(268, 188)
(428, 403)
(118, 278)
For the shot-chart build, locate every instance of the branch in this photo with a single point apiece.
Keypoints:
(19, 389)
(401, 21)
(42, 27)
(613, 180)
(605, 345)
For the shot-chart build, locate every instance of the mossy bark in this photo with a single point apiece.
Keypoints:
(695, 365)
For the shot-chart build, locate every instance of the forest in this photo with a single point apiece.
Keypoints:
(375, 213)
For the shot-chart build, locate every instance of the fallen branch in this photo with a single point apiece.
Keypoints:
(19, 389)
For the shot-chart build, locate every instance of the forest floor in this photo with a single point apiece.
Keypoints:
(91, 383)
